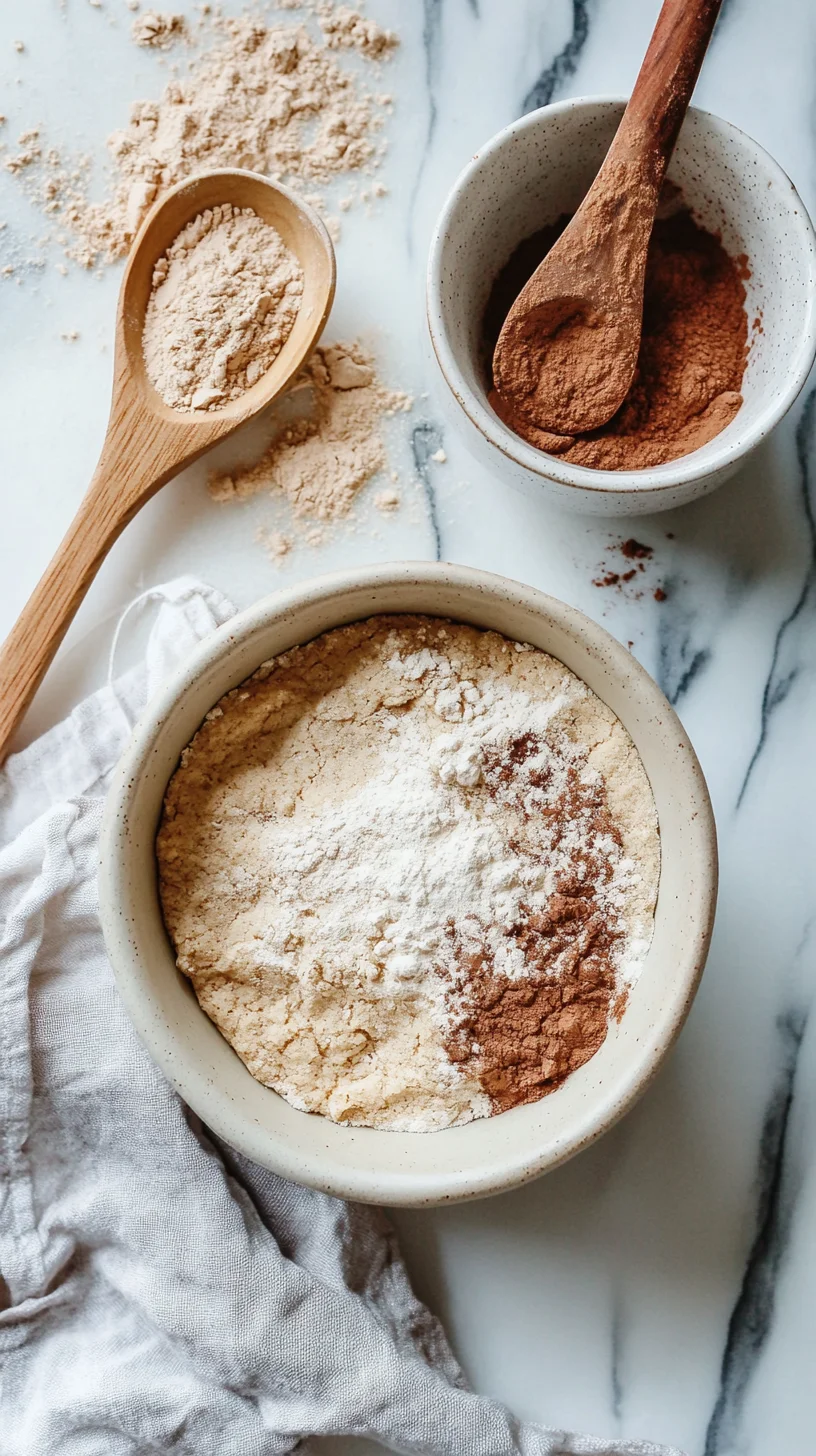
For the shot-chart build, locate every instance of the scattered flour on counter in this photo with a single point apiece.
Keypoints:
(346, 29)
(268, 98)
(158, 29)
(387, 501)
(320, 460)
(274, 543)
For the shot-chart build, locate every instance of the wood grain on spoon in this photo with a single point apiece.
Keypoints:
(567, 352)
(147, 442)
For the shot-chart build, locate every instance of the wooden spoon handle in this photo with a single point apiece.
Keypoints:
(29, 648)
(670, 69)
(140, 454)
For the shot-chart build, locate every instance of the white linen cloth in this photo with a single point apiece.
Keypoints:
(159, 1293)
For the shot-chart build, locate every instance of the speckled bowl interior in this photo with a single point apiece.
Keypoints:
(388, 1167)
(540, 167)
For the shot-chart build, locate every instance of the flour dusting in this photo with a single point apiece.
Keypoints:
(382, 834)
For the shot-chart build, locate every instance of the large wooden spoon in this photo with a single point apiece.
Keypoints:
(148, 442)
(567, 352)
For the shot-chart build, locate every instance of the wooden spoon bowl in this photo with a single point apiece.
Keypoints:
(303, 233)
(567, 352)
(148, 441)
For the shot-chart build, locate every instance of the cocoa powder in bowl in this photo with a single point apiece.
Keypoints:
(692, 354)
(527, 1034)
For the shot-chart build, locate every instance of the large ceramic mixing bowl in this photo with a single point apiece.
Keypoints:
(362, 1163)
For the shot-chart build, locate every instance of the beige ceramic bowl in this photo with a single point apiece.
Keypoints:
(390, 1167)
(542, 166)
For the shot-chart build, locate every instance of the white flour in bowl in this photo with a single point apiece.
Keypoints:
(411, 870)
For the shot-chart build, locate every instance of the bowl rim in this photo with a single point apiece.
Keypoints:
(655, 479)
(214, 1103)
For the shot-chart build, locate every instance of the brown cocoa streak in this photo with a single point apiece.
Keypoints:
(523, 1036)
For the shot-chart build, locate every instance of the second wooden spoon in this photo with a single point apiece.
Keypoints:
(567, 352)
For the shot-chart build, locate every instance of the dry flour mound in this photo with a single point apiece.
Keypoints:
(345, 29)
(320, 460)
(382, 818)
(271, 98)
(157, 29)
(224, 300)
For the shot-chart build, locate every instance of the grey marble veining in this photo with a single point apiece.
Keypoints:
(752, 1317)
(664, 1283)
(786, 659)
(555, 77)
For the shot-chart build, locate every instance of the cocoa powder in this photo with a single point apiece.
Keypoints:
(692, 353)
(523, 1037)
(566, 353)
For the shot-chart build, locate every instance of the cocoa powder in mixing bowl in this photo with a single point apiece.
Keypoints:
(528, 1034)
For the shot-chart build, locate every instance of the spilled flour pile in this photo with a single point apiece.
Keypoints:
(300, 102)
(344, 29)
(269, 98)
(320, 459)
(157, 30)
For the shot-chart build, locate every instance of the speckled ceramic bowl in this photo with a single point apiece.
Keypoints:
(390, 1167)
(541, 167)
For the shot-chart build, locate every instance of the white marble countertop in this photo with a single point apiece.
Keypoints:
(663, 1284)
